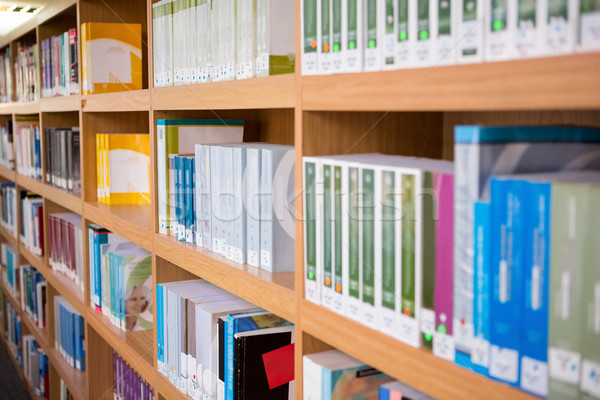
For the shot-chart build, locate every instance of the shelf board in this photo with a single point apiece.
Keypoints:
(66, 288)
(53, 9)
(417, 367)
(133, 100)
(131, 222)
(167, 389)
(33, 185)
(60, 103)
(8, 174)
(6, 108)
(271, 291)
(277, 91)
(29, 107)
(74, 379)
(41, 335)
(63, 198)
(12, 296)
(37, 261)
(9, 238)
(136, 348)
(566, 82)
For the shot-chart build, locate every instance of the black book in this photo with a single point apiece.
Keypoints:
(250, 378)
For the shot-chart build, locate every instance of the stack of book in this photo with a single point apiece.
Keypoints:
(210, 342)
(65, 246)
(209, 41)
(374, 249)
(234, 199)
(59, 54)
(13, 331)
(28, 147)
(33, 295)
(69, 333)
(371, 35)
(123, 168)
(8, 195)
(32, 222)
(5, 76)
(111, 57)
(508, 231)
(127, 383)
(35, 367)
(120, 280)
(7, 154)
(26, 72)
(63, 163)
(10, 268)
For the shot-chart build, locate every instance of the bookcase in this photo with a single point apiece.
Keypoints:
(408, 112)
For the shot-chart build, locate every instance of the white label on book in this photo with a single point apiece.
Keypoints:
(590, 378)
(220, 390)
(536, 290)
(238, 255)
(409, 331)
(427, 321)
(564, 365)
(480, 352)
(534, 376)
(310, 290)
(590, 30)
(596, 314)
(565, 294)
(265, 257)
(189, 236)
(443, 346)
(181, 233)
(198, 239)
(503, 294)
(253, 258)
(504, 364)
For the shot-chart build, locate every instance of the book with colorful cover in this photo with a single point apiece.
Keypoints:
(128, 168)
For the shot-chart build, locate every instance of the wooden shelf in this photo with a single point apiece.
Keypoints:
(134, 100)
(63, 198)
(74, 379)
(9, 238)
(11, 295)
(53, 9)
(66, 288)
(8, 174)
(33, 185)
(417, 367)
(276, 91)
(6, 108)
(567, 82)
(136, 348)
(167, 389)
(30, 107)
(271, 291)
(60, 103)
(131, 222)
(41, 335)
(38, 262)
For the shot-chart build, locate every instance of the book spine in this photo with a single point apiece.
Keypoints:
(326, 237)
(353, 296)
(429, 243)
(480, 355)
(507, 201)
(367, 274)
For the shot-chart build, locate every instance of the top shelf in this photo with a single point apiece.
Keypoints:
(567, 82)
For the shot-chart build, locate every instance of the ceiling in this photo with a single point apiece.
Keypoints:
(9, 20)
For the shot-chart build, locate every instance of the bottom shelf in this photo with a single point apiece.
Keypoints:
(416, 367)
(75, 380)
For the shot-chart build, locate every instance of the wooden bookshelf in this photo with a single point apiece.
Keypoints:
(410, 112)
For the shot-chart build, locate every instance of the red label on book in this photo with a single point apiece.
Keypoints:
(279, 365)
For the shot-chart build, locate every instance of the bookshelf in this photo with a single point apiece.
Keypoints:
(410, 112)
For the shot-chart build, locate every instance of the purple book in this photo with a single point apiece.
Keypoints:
(443, 346)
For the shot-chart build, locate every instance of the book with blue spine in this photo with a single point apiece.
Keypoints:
(507, 215)
(480, 356)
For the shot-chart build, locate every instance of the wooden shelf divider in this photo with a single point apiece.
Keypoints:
(74, 379)
(136, 100)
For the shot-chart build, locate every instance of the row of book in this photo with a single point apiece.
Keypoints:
(335, 375)
(36, 368)
(127, 384)
(63, 163)
(12, 333)
(69, 333)
(65, 246)
(111, 57)
(33, 289)
(28, 144)
(60, 67)
(26, 72)
(8, 195)
(32, 222)
(120, 280)
(202, 41)
(378, 242)
(8, 220)
(10, 268)
(7, 153)
(371, 35)
(123, 168)
(234, 199)
(6, 89)
(211, 343)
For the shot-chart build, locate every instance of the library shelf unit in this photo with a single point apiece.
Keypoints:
(409, 112)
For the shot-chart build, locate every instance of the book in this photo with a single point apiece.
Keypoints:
(111, 58)
(398, 390)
